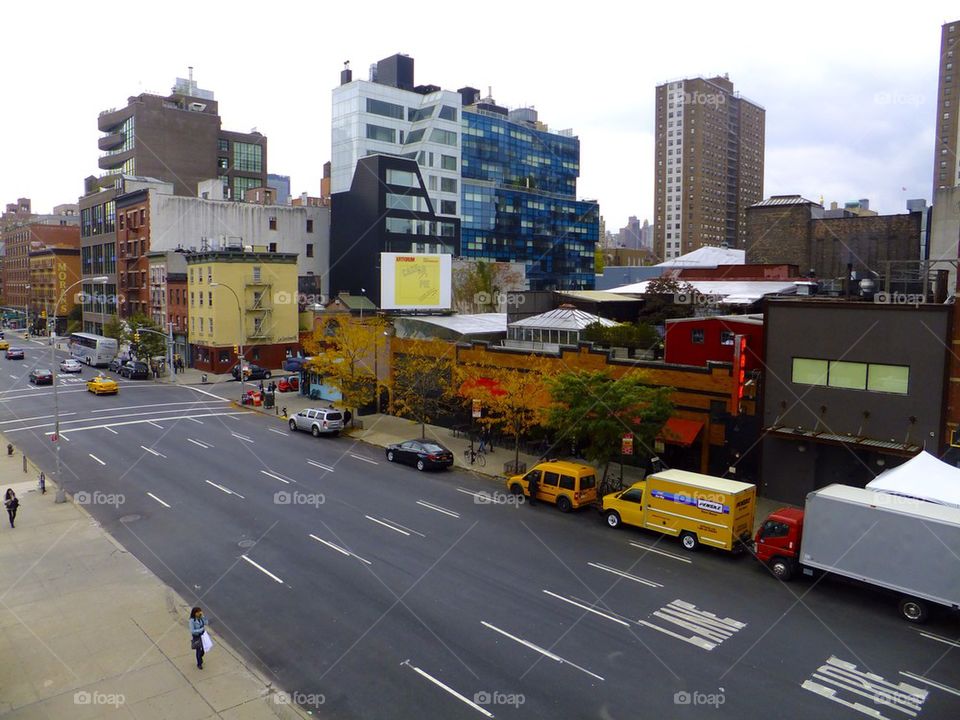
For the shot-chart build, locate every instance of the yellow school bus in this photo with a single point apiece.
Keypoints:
(696, 508)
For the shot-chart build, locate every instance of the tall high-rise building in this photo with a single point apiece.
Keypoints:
(492, 183)
(946, 161)
(178, 138)
(709, 165)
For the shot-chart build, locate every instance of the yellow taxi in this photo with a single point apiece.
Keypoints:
(4, 344)
(568, 485)
(101, 385)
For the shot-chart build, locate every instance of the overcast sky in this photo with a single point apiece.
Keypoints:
(849, 88)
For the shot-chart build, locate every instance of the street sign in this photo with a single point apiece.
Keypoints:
(626, 447)
(477, 409)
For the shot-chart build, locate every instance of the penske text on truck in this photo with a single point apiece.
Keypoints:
(908, 546)
(696, 508)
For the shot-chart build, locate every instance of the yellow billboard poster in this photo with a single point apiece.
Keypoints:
(415, 281)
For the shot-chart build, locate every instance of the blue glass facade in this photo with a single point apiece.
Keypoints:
(518, 202)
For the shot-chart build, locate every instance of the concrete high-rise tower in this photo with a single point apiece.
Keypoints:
(709, 165)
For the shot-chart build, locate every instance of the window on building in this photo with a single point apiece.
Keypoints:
(448, 207)
(272, 247)
(273, 223)
(382, 134)
(309, 226)
(418, 114)
(256, 273)
(848, 375)
(443, 137)
(414, 136)
(696, 336)
(402, 178)
(242, 184)
(888, 378)
(211, 326)
(201, 299)
(379, 107)
(448, 185)
(807, 371)
(223, 163)
(432, 182)
(448, 113)
(210, 298)
(247, 157)
(309, 249)
(192, 298)
(223, 145)
(726, 337)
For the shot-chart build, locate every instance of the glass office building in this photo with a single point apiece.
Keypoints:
(518, 198)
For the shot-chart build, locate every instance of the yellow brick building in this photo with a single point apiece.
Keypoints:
(241, 299)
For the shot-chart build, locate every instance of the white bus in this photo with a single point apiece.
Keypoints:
(94, 350)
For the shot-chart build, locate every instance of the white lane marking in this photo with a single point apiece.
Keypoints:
(275, 477)
(170, 404)
(38, 417)
(320, 465)
(96, 458)
(486, 499)
(120, 424)
(153, 452)
(699, 642)
(587, 608)
(340, 549)
(198, 422)
(537, 648)
(112, 430)
(196, 389)
(14, 377)
(262, 569)
(151, 422)
(64, 437)
(626, 575)
(662, 552)
(439, 509)
(201, 444)
(938, 638)
(366, 460)
(387, 525)
(931, 683)
(449, 689)
(242, 437)
(845, 678)
(158, 499)
(228, 491)
(278, 432)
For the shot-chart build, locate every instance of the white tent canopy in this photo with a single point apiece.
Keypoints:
(922, 477)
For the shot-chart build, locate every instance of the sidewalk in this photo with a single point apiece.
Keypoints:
(87, 632)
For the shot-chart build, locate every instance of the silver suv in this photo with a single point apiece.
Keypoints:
(319, 421)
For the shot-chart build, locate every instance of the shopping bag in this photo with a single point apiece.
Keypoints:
(207, 642)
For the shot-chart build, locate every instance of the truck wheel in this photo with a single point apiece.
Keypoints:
(913, 610)
(613, 519)
(315, 431)
(689, 541)
(781, 568)
(293, 424)
(563, 503)
(516, 489)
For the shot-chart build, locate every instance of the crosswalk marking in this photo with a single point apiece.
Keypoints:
(707, 629)
(846, 679)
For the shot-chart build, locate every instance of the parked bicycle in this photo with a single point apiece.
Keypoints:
(475, 457)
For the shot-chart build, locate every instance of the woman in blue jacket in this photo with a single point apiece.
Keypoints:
(198, 624)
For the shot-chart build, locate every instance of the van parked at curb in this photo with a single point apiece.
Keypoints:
(567, 485)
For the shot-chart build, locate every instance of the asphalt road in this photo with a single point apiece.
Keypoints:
(369, 590)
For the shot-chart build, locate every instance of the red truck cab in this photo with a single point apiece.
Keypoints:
(778, 542)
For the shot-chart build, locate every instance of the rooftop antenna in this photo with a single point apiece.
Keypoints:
(190, 73)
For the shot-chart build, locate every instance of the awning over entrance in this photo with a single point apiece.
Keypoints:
(906, 449)
(680, 431)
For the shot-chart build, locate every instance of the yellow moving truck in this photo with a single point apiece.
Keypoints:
(696, 508)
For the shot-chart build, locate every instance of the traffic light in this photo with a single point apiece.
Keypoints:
(236, 350)
(136, 337)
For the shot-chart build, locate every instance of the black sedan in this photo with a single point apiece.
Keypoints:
(116, 364)
(15, 354)
(41, 377)
(423, 454)
(135, 370)
(250, 372)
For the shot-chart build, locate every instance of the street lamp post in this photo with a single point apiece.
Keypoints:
(26, 312)
(243, 383)
(61, 491)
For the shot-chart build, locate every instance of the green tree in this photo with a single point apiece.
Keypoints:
(423, 380)
(594, 409)
(667, 298)
(75, 319)
(145, 345)
(345, 352)
(115, 328)
(634, 336)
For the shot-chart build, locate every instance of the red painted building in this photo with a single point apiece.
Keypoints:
(699, 340)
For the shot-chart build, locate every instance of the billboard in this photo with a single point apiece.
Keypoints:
(415, 281)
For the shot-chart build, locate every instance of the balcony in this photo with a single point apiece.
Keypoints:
(111, 141)
(112, 162)
(109, 119)
(260, 333)
(256, 281)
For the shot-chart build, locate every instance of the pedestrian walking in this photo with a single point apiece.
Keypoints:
(198, 626)
(484, 434)
(533, 484)
(43, 483)
(11, 503)
(261, 386)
